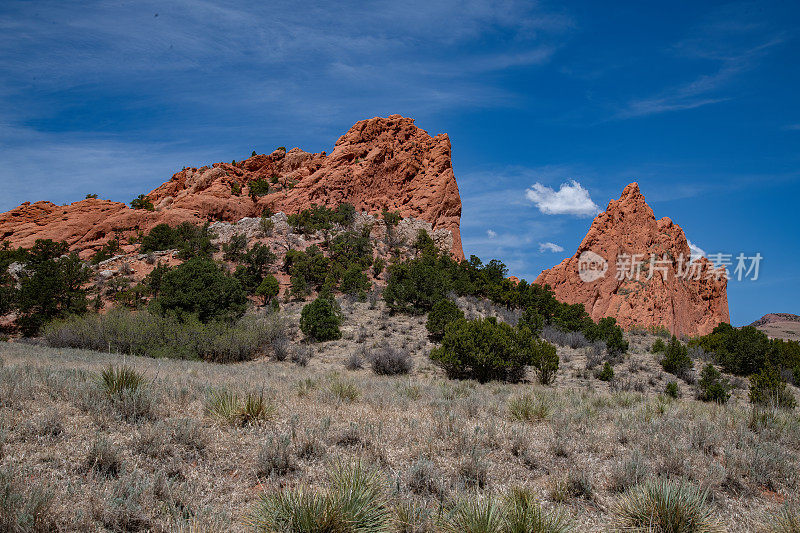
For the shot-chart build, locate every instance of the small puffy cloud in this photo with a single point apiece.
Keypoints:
(491, 234)
(550, 247)
(696, 251)
(570, 199)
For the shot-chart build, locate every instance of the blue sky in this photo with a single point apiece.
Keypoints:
(695, 101)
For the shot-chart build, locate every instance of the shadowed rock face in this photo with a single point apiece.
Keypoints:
(380, 163)
(628, 226)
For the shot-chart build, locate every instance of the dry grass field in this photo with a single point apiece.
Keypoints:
(196, 446)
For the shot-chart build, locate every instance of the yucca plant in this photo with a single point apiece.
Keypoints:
(223, 405)
(475, 516)
(228, 407)
(524, 514)
(356, 503)
(256, 408)
(117, 380)
(665, 506)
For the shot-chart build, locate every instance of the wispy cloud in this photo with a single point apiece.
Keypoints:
(570, 199)
(695, 251)
(550, 247)
(727, 41)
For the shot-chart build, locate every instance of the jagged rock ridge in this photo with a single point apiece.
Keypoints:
(380, 163)
(687, 305)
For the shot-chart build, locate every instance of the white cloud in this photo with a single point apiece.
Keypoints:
(570, 199)
(491, 234)
(696, 251)
(550, 247)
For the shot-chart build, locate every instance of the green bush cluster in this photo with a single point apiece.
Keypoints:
(255, 266)
(442, 313)
(49, 285)
(320, 217)
(350, 255)
(258, 188)
(145, 334)
(320, 319)
(416, 285)
(607, 373)
(676, 358)
(746, 351)
(107, 251)
(142, 202)
(659, 346)
(191, 240)
(768, 388)
(200, 288)
(486, 350)
(712, 386)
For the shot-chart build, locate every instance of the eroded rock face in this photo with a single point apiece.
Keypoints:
(380, 163)
(689, 304)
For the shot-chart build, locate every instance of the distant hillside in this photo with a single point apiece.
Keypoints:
(780, 326)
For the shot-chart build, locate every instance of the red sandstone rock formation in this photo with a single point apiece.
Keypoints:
(627, 227)
(380, 163)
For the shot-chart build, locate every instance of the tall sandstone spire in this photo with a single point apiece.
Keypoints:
(689, 304)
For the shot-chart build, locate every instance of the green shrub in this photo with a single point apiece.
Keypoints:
(742, 351)
(320, 217)
(107, 251)
(415, 286)
(712, 386)
(658, 346)
(142, 202)
(142, 333)
(258, 187)
(676, 358)
(268, 288)
(607, 373)
(91, 196)
(377, 266)
(354, 282)
(769, 388)
(344, 391)
(320, 320)
(234, 249)
(488, 350)
(199, 287)
(672, 389)
(665, 506)
(190, 240)
(609, 332)
(543, 357)
(50, 286)
(441, 314)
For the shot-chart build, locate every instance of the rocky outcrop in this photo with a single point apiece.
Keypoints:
(665, 289)
(772, 318)
(380, 163)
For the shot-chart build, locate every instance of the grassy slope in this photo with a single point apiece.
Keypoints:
(177, 460)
